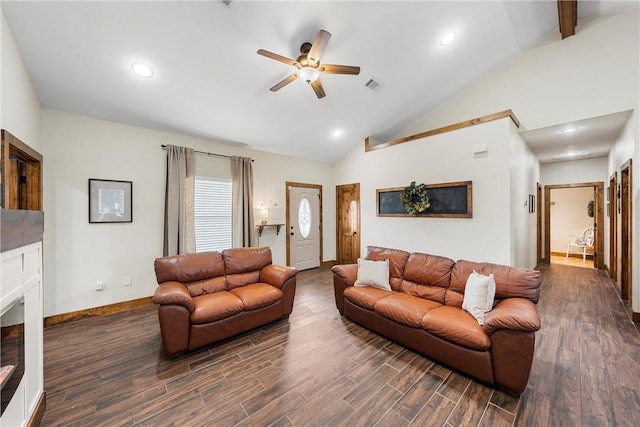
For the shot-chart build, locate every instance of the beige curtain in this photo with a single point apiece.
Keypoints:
(242, 198)
(179, 235)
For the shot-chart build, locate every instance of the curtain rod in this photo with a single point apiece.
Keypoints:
(207, 153)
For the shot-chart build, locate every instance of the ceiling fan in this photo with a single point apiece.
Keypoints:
(308, 64)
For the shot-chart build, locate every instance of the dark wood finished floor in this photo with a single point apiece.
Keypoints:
(318, 369)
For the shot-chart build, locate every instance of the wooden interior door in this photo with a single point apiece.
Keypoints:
(625, 228)
(539, 257)
(347, 223)
(613, 228)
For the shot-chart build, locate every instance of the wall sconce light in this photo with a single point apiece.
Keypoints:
(264, 216)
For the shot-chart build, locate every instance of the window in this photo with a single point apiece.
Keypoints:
(212, 214)
(304, 218)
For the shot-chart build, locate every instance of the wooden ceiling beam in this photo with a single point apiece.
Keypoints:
(567, 17)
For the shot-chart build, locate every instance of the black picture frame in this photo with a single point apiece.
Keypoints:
(110, 201)
(448, 200)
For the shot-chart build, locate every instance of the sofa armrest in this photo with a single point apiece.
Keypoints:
(277, 275)
(347, 273)
(516, 314)
(173, 293)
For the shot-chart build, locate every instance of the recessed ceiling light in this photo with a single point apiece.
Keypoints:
(337, 133)
(448, 38)
(142, 70)
(569, 130)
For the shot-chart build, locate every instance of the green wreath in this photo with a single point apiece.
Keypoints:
(415, 198)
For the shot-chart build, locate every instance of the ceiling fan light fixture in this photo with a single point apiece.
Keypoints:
(308, 74)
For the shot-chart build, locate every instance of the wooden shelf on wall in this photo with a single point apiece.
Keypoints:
(261, 228)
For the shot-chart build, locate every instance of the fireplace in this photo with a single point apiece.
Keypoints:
(11, 351)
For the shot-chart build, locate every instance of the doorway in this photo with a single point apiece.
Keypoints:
(347, 223)
(561, 246)
(612, 211)
(539, 255)
(304, 225)
(625, 233)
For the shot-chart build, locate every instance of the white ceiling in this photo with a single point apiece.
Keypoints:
(209, 82)
(582, 139)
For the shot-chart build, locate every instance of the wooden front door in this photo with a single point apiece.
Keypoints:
(613, 228)
(348, 223)
(625, 228)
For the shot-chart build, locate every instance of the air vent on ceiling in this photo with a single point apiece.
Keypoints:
(374, 84)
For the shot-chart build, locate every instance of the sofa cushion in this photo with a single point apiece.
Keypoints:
(397, 260)
(510, 281)
(207, 286)
(405, 309)
(478, 295)
(241, 260)
(373, 273)
(242, 265)
(257, 295)
(188, 268)
(216, 306)
(428, 269)
(365, 296)
(456, 325)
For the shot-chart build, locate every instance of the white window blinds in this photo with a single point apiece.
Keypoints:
(212, 214)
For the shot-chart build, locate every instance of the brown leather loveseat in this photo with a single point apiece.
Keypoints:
(423, 311)
(209, 296)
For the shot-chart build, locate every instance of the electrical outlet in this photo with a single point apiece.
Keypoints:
(126, 281)
(99, 285)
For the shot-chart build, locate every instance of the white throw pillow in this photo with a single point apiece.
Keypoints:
(478, 295)
(373, 273)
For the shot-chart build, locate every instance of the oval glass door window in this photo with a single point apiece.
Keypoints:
(304, 218)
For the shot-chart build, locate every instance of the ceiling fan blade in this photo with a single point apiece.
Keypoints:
(280, 58)
(318, 45)
(282, 83)
(339, 69)
(318, 89)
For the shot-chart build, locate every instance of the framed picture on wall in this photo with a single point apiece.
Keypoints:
(110, 201)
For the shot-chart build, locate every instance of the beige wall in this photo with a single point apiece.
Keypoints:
(77, 254)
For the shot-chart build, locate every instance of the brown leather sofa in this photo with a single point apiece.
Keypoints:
(423, 311)
(209, 296)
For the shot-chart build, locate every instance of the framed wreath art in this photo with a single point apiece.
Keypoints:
(415, 198)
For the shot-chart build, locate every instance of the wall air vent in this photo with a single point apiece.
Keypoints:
(374, 84)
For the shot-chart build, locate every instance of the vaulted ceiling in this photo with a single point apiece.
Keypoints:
(209, 82)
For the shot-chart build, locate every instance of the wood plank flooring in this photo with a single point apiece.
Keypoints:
(318, 369)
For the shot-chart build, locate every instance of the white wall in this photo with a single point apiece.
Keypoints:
(20, 109)
(524, 171)
(441, 158)
(77, 253)
(574, 172)
(568, 215)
